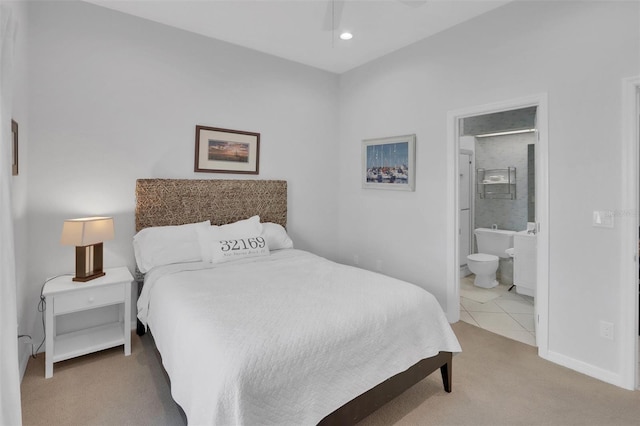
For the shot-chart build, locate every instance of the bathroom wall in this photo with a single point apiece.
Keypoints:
(531, 183)
(499, 152)
(516, 119)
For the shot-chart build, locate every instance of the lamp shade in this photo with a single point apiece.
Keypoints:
(86, 231)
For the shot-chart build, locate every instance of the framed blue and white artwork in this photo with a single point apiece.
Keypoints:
(389, 163)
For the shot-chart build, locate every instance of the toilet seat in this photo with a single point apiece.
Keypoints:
(484, 266)
(482, 257)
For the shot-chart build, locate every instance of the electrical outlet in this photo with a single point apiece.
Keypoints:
(603, 219)
(606, 330)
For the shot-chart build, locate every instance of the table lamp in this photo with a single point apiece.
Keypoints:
(87, 234)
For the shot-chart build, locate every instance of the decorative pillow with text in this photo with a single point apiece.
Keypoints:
(209, 236)
(239, 248)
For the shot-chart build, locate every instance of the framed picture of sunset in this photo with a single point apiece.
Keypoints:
(226, 151)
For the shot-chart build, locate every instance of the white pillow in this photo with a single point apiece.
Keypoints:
(238, 248)
(276, 236)
(213, 234)
(164, 245)
(242, 228)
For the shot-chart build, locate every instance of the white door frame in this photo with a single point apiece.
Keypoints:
(628, 217)
(472, 197)
(542, 208)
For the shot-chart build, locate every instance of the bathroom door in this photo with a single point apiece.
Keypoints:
(465, 182)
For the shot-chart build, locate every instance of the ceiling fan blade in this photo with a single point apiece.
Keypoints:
(333, 15)
(413, 3)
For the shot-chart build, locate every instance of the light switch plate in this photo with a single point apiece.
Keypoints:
(603, 218)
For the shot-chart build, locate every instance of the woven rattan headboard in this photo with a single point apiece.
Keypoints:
(161, 202)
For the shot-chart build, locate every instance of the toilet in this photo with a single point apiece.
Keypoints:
(492, 244)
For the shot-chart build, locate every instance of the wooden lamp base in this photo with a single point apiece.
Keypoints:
(88, 263)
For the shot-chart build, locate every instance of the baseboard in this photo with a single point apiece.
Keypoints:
(23, 358)
(464, 271)
(584, 368)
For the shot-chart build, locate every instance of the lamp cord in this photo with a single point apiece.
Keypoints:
(42, 307)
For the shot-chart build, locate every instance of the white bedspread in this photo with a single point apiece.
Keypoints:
(284, 339)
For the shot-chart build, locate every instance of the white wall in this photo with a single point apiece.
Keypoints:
(25, 306)
(500, 152)
(577, 52)
(114, 98)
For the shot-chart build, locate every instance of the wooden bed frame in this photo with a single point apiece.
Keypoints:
(161, 202)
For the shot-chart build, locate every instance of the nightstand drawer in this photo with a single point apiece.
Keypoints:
(88, 298)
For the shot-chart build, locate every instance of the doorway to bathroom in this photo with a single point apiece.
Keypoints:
(497, 236)
(498, 173)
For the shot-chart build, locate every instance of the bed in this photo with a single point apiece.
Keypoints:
(283, 338)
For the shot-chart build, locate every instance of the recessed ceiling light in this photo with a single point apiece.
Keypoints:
(346, 36)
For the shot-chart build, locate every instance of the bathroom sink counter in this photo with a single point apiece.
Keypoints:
(524, 263)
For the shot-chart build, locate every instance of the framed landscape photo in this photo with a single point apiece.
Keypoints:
(389, 163)
(14, 148)
(226, 151)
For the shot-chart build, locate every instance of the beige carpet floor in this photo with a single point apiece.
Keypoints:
(496, 381)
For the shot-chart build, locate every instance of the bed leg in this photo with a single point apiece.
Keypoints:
(446, 375)
(140, 328)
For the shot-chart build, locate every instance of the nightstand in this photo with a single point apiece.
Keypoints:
(64, 296)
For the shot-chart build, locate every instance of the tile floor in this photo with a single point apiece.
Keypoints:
(510, 314)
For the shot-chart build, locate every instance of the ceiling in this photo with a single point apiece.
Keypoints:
(307, 31)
